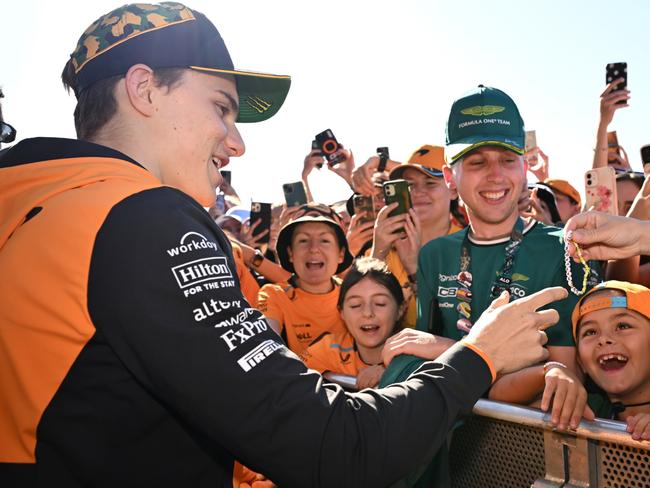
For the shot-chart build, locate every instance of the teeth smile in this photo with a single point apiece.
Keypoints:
(603, 359)
(369, 327)
(216, 162)
(493, 195)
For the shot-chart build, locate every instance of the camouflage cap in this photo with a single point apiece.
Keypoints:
(168, 35)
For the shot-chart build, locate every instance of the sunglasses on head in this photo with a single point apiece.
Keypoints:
(7, 132)
(629, 173)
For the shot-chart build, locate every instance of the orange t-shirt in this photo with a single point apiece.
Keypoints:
(302, 316)
(334, 352)
(249, 285)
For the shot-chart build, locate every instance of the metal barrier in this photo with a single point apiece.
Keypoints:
(509, 446)
(504, 445)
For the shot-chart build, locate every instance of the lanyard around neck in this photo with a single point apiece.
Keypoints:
(502, 281)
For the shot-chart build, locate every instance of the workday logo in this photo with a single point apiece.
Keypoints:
(192, 241)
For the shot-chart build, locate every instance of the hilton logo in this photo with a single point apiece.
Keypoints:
(194, 272)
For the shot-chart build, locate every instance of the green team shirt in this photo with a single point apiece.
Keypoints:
(539, 264)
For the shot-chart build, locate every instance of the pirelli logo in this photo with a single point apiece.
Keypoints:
(207, 269)
(259, 354)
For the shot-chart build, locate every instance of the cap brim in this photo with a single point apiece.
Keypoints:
(260, 94)
(398, 171)
(454, 152)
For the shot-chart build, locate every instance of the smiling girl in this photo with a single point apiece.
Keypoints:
(371, 304)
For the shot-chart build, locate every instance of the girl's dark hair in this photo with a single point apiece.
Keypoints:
(96, 105)
(377, 271)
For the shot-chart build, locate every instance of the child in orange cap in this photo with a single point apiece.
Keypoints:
(611, 327)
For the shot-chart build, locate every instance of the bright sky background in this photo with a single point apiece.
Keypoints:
(378, 73)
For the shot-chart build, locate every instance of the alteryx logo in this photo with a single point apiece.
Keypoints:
(481, 110)
(207, 269)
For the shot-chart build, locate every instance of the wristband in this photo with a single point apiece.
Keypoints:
(553, 364)
(258, 257)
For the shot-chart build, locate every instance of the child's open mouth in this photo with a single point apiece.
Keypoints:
(612, 362)
(370, 328)
(315, 265)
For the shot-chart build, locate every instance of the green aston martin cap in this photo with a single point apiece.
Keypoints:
(484, 116)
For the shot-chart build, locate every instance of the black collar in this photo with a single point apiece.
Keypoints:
(50, 148)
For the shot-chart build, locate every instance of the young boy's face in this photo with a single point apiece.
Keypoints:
(614, 349)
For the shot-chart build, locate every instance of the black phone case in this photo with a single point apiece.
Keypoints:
(261, 211)
(614, 71)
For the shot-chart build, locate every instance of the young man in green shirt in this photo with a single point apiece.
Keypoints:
(460, 274)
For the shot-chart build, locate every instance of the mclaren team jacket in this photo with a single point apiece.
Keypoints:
(129, 357)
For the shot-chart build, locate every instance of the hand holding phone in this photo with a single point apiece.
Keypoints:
(364, 207)
(614, 71)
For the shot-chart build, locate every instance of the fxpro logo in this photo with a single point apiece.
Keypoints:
(207, 269)
(259, 354)
(192, 241)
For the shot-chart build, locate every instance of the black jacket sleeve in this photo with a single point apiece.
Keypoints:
(164, 292)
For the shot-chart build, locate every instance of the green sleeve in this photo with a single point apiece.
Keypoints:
(426, 289)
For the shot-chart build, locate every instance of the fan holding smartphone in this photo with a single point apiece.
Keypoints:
(614, 97)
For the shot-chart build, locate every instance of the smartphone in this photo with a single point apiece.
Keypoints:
(397, 191)
(645, 158)
(600, 190)
(531, 140)
(328, 146)
(365, 207)
(226, 175)
(614, 71)
(384, 156)
(294, 194)
(261, 211)
(316, 148)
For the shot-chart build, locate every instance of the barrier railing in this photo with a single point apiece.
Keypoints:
(510, 446)
(504, 445)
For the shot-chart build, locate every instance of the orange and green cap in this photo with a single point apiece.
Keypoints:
(169, 35)
(485, 116)
(636, 297)
(427, 159)
(564, 187)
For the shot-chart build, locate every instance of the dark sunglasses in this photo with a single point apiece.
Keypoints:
(7, 132)
(626, 173)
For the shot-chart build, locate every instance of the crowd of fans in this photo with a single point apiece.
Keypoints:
(403, 296)
(371, 293)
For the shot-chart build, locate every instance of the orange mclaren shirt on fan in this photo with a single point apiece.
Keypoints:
(302, 316)
(249, 286)
(334, 352)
